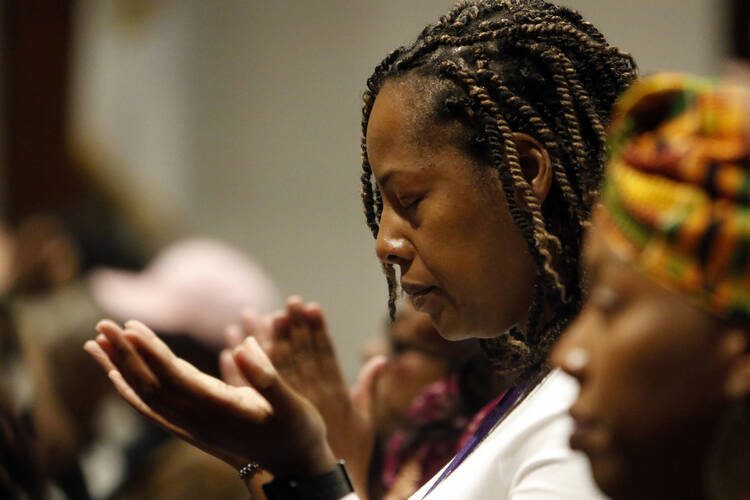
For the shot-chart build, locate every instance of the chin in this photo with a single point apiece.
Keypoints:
(610, 477)
(453, 334)
(450, 327)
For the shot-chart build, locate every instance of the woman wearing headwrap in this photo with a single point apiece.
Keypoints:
(662, 346)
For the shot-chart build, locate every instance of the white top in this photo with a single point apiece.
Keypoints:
(526, 457)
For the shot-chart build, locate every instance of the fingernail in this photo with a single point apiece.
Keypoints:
(100, 324)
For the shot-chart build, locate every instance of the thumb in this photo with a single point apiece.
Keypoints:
(363, 392)
(257, 369)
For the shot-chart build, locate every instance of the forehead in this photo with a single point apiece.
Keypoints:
(602, 264)
(394, 117)
(609, 269)
(404, 121)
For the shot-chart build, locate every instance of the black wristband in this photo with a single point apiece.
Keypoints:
(330, 485)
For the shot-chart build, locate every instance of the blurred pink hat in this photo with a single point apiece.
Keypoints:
(196, 286)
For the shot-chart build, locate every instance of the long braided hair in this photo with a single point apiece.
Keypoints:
(504, 66)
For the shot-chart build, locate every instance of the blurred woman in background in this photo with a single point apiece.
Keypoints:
(662, 346)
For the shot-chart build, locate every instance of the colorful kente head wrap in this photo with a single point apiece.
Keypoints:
(676, 191)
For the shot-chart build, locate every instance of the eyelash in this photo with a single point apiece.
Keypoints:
(410, 202)
(606, 301)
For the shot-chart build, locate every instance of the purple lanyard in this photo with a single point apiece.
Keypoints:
(488, 423)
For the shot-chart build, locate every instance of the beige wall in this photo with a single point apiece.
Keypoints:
(687, 35)
(272, 134)
(276, 147)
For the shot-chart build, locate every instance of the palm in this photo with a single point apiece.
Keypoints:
(299, 345)
(267, 421)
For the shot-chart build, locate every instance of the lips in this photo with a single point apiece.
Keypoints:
(589, 436)
(418, 294)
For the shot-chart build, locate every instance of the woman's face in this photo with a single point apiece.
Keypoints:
(445, 225)
(651, 369)
(417, 356)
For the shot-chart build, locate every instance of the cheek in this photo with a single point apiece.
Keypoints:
(655, 374)
(485, 266)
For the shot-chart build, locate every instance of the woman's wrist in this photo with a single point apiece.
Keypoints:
(330, 484)
(317, 462)
(326, 461)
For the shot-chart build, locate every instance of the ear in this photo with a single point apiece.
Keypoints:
(536, 164)
(736, 345)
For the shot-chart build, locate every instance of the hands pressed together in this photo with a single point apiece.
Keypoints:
(283, 402)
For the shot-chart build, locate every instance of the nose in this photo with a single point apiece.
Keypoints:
(391, 245)
(572, 353)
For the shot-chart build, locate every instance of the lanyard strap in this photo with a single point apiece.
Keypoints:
(489, 422)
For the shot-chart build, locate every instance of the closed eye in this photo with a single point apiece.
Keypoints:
(410, 202)
(606, 300)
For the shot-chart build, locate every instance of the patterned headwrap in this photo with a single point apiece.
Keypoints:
(677, 188)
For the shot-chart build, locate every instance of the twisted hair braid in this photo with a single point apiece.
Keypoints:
(527, 66)
(557, 156)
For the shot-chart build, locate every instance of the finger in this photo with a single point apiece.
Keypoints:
(305, 357)
(155, 353)
(262, 325)
(282, 358)
(132, 398)
(202, 391)
(299, 328)
(182, 389)
(260, 372)
(187, 388)
(107, 330)
(229, 370)
(279, 326)
(128, 362)
(320, 336)
(363, 392)
(101, 357)
(122, 387)
(104, 344)
(233, 335)
(328, 363)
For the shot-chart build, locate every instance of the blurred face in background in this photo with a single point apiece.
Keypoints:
(654, 374)
(417, 356)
